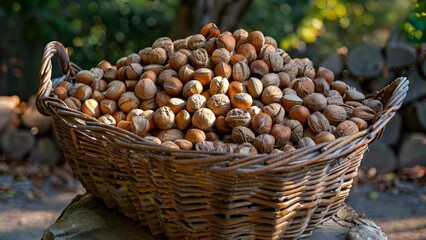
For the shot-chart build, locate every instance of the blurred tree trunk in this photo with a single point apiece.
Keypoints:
(191, 15)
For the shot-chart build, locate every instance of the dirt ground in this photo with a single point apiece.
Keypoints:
(27, 207)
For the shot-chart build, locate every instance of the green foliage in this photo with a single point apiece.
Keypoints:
(415, 25)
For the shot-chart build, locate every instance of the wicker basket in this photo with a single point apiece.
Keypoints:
(193, 194)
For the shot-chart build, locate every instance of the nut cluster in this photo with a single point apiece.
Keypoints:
(232, 92)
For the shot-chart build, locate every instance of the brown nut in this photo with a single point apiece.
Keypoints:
(84, 76)
(195, 102)
(335, 114)
(134, 71)
(128, 101)
(271, 94)
(303, 86)
(281, 133)
(164, 75)
(123, 124)
(315, 101)
(339, 86)
(195, 135)
(115, 89)
(242, 134)
(270, 79)
(91, 108)
(219, 104)
(183, 120)
(196, 41)
(148, 104)
(212, 136)
(157, 55)
(238, 117)
(334, 98)
(162, 98)
(274, 61)
(192, 87)
(361, 123)
(220, 55)
(364, 112)
(170, 144)
(242, 100)
(289, 101)
(139, 125)
(321, 86)
(177, 60)
(226, 41)
(107, 119)
(326, 74)
(134, 112)
(324, 136)
(240, 71)
(237, 58)
(199, 58)
(83, 93)
(259, 68)
(299, 113)
(223, 69)
(219, 85)
(264, 143)
(254, 87)
(345, 128)
(184, 144)
(73, 103)
(176, 104)
(210, 30)
(353, 95)
(296, 129)
(261, 123)
(153, 139)
(317, 122)
(164, 118)
(203, 119)
(305, 142)
(236, 87)
(108, 106)
(257, 39)
(185, 73)
(374, 104)
(173, 86)
(248, 51)
(170, 135)
(145, 89)
(276, 111)
(61, 92)
(119, 115)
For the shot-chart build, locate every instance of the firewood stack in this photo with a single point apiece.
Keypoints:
(25, 134)
(370, 68)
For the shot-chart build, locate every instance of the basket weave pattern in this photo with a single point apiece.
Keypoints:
(192, 194)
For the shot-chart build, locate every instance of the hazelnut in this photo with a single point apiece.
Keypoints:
(324, 136)
(238, 117)
(177, 60)
(139, 125)
(176, 104)
(164, 75)
(299, 113)
(134, 112)
(203, 118)
(219, 85)
(305, 142)
(110, 74)
(128, 101)
(345, 128)
(364, 112)
(115, 89)
(73, 103)
(192, 87)
(284, 80)
(195, 102)
(274, 61)
(276, 111)
(321, 86)
(196, 41)
(226, 41)
(61, 92)
(164, 118)
(211, 136)
(220, 55)
(185, 73)
(119, 115)
(145, 89)
(259, 68)
(183, 120)
(254, 87)
(237, 58)
(374, 104)
(162, 98)
(98, 96)
(153, 139)
(199, 58)
(170, 144)
(240, 71)
(195, 135)
(170, 135)
(289, 101)
(296, 129)
(353, 95)
(107, 119)
(221, 126)
(91, 108)
(248, 51)
(325, 74)
(108, 106)
(261, 123)
(157, 55)
(315, 101)
(242, 100)
(173, 86)
(219, 104)
(203, 75)
(317, 122)
(165, 43)
(361, 123)
(223, 69)
(335, 114)
(242, 134)
(339, 86)
(210, 30)
(270, 79)
(184, 144)
(281, 133)
(264, 143)
(84, 76)
(83, 93)
(257, 39)
(123, 124)
(134, 71)
(148, 104)
(236, 87)
(271, 94)
(303, 86)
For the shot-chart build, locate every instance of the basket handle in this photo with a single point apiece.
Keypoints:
(52, 49)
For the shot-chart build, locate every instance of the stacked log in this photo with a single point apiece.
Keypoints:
(25, 134)
(372, 67)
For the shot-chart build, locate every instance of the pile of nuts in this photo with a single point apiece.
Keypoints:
(230, 92)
